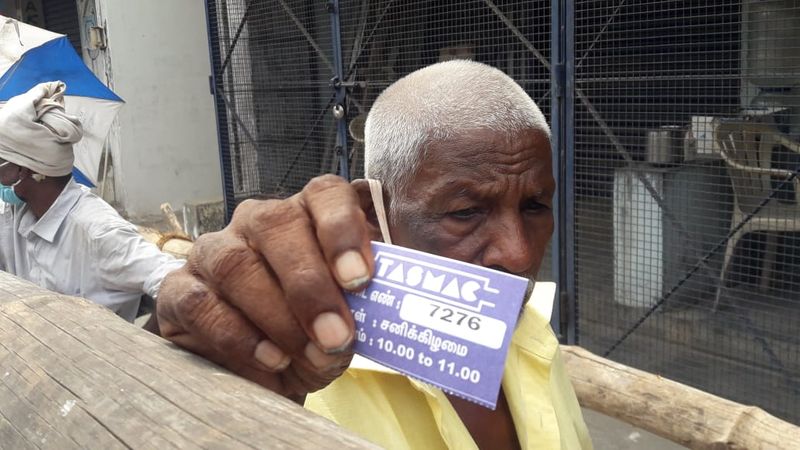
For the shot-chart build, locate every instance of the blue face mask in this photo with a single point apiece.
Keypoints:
(7, 194)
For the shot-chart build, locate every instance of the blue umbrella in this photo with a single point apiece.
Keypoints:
(31, 55)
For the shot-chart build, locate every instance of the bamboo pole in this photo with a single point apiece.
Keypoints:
(677, 412)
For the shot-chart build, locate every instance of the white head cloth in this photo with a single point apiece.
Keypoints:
(36, 132)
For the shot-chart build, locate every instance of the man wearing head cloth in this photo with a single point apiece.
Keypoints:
(463, 155)
(55, 232)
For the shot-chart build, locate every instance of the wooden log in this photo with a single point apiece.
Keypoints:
(177, 245)
(179, 248)
(172, 219)
(74, 375)
(677, 412)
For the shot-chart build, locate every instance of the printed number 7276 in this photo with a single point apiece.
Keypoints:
(449, 315)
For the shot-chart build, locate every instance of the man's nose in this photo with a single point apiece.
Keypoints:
(509, 246)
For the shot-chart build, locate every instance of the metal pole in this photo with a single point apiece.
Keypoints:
(563, 138)
(221, 112)
(568, 268)
(340, 102)
(557, 143)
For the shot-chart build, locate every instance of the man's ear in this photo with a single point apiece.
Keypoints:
(24, 173)
(365, 199)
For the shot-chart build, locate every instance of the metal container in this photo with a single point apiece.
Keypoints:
(664, 145)
(772, 42)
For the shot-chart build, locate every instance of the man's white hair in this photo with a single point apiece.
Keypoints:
(436, 103)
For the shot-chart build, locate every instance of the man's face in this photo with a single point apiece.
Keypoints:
(482, 197)
(9, 172)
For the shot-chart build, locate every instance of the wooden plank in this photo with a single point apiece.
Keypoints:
(82, 432)
(175, 389)
(73, 375)
(67, 355)
(10, 437)
(682, 414)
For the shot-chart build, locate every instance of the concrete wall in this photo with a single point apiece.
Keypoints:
(165, 145)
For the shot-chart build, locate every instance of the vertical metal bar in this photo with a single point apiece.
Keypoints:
(221, 111)
(557, 143)
(564, 319)
(568, 260)
(340, 103)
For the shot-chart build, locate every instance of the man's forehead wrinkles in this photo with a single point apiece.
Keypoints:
(486, 164)
(470, 188)
(483, 167)
(466, 180)
(448, 185)
(463, 188)
(492, 164)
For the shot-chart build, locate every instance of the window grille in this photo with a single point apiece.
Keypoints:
(676, 126)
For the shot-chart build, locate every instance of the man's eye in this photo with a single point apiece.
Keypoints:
(464, 214)
(535, 206)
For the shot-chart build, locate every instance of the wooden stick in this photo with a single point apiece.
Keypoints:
(677, 412)
(172, 219)
(176, 245)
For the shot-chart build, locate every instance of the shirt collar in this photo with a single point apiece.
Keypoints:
(533, 333)
(48, 225)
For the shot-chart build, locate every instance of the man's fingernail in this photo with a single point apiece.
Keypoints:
(351, 269)
(271, 356)
(332, 332)
(320, 359)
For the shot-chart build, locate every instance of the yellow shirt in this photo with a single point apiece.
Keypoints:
(397, 412)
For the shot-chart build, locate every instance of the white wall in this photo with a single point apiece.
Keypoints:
(165, 146)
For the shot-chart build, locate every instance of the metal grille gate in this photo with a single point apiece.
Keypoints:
(674, 126)
(686, 130)
(277, 73)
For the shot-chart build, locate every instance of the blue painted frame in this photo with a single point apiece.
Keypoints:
(341, 91)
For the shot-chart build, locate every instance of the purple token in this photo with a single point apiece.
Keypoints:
(441, 321)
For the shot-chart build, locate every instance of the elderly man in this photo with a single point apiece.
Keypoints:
(465, 161)
(55, 232)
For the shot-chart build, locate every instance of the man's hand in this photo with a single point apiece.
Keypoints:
(263, 296)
